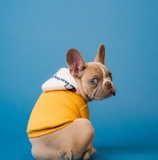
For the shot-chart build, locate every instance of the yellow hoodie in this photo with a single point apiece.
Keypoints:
(55, 110)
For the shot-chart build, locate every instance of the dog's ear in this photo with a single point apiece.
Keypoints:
(101, 54)
(75, 62)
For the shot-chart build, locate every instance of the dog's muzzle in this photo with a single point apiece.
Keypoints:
(110, 87)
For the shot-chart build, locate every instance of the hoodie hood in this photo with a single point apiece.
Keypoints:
(61, 80)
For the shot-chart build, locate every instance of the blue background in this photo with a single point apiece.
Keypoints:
(34, 38)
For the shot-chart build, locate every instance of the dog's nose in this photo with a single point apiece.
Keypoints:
(113, 93)
(108, 85)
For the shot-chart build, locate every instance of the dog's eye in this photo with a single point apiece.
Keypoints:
(94, 81)
(110, 76)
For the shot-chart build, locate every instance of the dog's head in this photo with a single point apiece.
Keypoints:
(94, 79)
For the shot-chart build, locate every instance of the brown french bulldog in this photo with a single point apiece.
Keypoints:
(59, 126)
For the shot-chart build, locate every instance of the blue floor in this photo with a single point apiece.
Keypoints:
(126, 153)
(20, 150)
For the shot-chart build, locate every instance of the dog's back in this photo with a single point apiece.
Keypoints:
(55, 110)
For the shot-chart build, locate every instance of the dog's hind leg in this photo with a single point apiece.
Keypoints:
(89, 154)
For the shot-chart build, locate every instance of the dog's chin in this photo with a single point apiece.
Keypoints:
(103, 97)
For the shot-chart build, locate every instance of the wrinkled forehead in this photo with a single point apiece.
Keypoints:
(97, 67)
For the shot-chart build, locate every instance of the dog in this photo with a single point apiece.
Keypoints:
(59, 126)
